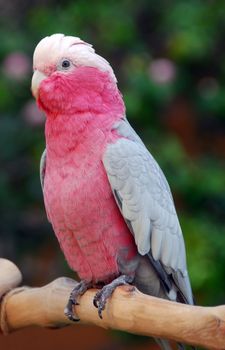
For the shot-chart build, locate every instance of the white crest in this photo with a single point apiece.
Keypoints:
(52, 48)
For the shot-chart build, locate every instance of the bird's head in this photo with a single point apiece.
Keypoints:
(69, 75)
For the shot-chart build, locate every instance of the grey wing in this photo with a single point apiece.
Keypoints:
(42, 174)
(42, 168)
(146, 203)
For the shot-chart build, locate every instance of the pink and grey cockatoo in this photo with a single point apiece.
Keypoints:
(105, 195)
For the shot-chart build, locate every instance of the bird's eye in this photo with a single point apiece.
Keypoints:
(65, 64)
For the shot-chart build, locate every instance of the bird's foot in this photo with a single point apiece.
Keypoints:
(102, 296)
(77, 291)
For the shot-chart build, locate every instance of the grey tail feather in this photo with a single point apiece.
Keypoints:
(163, 276)
(163, 343)
(181, 346)
(167, 280)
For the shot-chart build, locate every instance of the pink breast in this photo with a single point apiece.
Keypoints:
(85, 217)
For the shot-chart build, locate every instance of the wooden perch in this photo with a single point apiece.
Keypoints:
(127, 310)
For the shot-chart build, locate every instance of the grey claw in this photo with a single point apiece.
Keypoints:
(69, 314)
(105, 293)
(95, 302)
(100, 309)
(99, 302)
(77, 291)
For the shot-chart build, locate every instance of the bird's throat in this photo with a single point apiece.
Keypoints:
(85, 90)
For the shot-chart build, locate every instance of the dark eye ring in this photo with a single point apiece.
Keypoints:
(65, 64)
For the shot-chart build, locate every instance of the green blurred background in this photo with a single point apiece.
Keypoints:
(169, 59)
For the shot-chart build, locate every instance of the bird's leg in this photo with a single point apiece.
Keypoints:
(101, 297)
(77, 291)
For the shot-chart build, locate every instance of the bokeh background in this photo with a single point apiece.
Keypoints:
(169, 58)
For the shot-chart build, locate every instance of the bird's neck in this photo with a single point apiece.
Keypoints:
(85, 90)
(92, 105)
(68, 133)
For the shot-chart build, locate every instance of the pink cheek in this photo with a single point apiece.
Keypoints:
(49, 89)
(52, 94)
(45, 87)
(45, 94)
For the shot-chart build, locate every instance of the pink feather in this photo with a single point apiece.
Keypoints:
(81, 109)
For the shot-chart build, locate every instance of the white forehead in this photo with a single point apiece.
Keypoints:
(57, 46)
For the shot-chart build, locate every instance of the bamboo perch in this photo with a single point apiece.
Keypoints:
(127, 310)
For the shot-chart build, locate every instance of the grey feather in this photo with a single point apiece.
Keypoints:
(42, 168)
(145, 200)
(163, 343)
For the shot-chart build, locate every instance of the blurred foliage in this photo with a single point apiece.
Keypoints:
(169, 58)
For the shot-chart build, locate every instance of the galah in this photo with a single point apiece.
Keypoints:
(106, 197)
